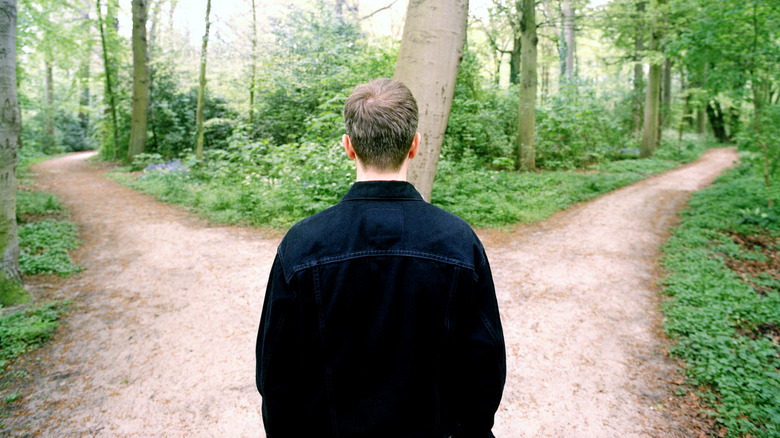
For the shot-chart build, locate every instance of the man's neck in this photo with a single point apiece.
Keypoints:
(369, 174)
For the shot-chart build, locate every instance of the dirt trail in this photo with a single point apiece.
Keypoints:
(161, 340)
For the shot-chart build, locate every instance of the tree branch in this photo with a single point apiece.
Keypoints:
(379, 10)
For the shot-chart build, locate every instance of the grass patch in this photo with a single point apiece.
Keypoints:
(11, 293)
(723, 309)
(23, 330)
(264, 185)
(44, 247)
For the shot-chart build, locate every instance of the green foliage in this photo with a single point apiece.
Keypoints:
(576, 128)
(11, 293)
(713, 314)
(36, 204)
(254, 182)
(44, 247)
(262, 184)
(23, 330)
(317, 59)
(490, 198)
(482, 120)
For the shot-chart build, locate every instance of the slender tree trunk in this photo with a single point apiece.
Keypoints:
(84, 77)
(639, 74)
(151, 58)
(253, 78)
(715, 115)
(515, 60)
(652, 101)
(526, 143)
(686, 118)
(10, 128)
(652, 94)
(138, 124)
(202, 85)
(567, 48)
(109, 88)
(50, 134)
(666, 96)
(428, 62)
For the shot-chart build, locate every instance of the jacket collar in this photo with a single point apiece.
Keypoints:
(385, 190)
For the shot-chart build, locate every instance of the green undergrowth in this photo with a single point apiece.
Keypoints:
(24, 329)
(275, 186)
(45, 238)
(723, 310)
(494, 198)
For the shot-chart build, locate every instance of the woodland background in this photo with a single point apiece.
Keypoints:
(541, 104)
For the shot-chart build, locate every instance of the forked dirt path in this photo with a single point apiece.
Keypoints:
(161, 338)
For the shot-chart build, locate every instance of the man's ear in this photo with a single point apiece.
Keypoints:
(348, 147)
(415, 145)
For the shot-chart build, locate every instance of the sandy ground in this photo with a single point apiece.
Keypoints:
(161, 338)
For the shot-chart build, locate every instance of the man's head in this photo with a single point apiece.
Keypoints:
(381, 122)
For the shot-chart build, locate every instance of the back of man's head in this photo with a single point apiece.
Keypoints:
(381, 121)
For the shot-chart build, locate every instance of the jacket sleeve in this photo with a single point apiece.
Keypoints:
(481, 358)
(276, 373)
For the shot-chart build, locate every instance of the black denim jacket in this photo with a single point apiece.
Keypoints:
(380, 320)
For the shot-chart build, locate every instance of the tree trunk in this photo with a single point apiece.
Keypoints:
(109, 88)
(715, 114)
(202, 84)
(10, 127)
(151, 52)
(138, 122)
(652, 101)
(526, 143)
(84, 76)
(653, 91)
(50, 135)
(666, 96)
(639, 74)
(567, 48)
(428, 61)
(515, 60)
(253, 77)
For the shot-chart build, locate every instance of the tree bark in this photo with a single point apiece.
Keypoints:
(84, 76)
(109, 88)
(253, 78)
(515, 60)
(138, 124)
(715, 114)
(428, 62)
(653, 91)
(666, 96)
(202, 84)
(50, 134)
(526, 143)
(639, 74)
(567, 52)
(10, 128)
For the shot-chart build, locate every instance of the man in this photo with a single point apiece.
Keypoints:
(380, 317)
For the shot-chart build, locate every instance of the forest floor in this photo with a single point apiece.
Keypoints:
(160, 337)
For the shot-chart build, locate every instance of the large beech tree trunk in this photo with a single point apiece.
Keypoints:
(428, 61)
(202, 84)
(10, 127)
(526, 144)
(138, 123)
